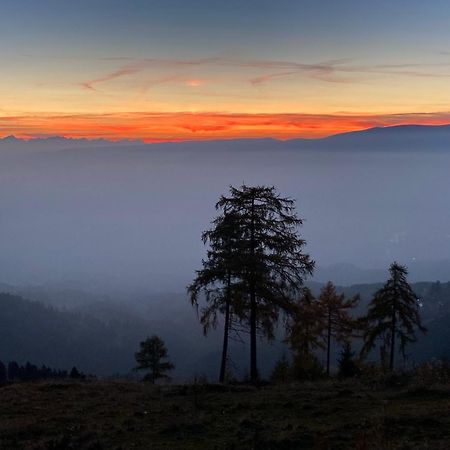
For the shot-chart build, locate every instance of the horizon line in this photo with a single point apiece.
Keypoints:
(153, 128)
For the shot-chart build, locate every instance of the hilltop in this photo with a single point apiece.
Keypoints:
(123, 415)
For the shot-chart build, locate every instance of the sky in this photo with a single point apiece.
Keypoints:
(169, 70)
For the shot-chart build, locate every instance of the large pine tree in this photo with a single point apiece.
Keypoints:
(270, 257)
(255, 265)
(393, 314)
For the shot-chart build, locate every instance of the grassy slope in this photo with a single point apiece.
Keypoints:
(123, 415)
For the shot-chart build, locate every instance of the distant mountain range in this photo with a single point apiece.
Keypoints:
(11, 144)
(384, 138)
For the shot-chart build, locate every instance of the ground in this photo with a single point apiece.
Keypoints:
(99, 415)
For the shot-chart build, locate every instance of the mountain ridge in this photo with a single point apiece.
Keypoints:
(406, 131)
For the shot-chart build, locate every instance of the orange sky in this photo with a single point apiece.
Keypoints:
(155, 127)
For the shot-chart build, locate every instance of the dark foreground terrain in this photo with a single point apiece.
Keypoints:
(125, 415)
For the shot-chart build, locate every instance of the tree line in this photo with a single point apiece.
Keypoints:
(30, 372)
(254, 274)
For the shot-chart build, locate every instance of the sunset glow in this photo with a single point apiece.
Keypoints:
(157, 127)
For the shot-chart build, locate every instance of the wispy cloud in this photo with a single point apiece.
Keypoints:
(333, 71)
(322, 71)
(91, 84)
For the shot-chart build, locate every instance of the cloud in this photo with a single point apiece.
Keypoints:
(324, 70)
(195, 82)
(91, 84)
(333, 71)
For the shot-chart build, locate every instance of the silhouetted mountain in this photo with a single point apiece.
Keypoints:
(12, 145)
(401, 137)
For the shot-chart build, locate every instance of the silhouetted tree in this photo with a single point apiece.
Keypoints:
(75, 373)
(45, 372)
(393, 314)
(29, 372)
(151, 357)
(346, 362)
(270, 260)
(13, 370)
(218, 280)
(338, 322)
(3, 373)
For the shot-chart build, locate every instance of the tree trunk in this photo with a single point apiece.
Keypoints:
(253, 362)
(253, 321)
(393, 328)
(328, 341)
(223, 365)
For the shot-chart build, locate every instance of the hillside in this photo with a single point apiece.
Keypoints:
(320, 416)
(100, 335)
(33, 332)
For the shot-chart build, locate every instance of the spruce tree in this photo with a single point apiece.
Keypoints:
(151, 357)
(393, 314)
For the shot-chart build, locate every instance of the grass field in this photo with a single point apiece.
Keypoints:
(125, 415)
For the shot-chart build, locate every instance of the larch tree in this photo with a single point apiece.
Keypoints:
(306, 326)
(393, 315)
(153, 357)
(339, 324)
(270, 262)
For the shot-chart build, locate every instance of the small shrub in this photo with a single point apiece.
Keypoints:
(347, 365)
(281, 372)
(307, 367)
(432, 372)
